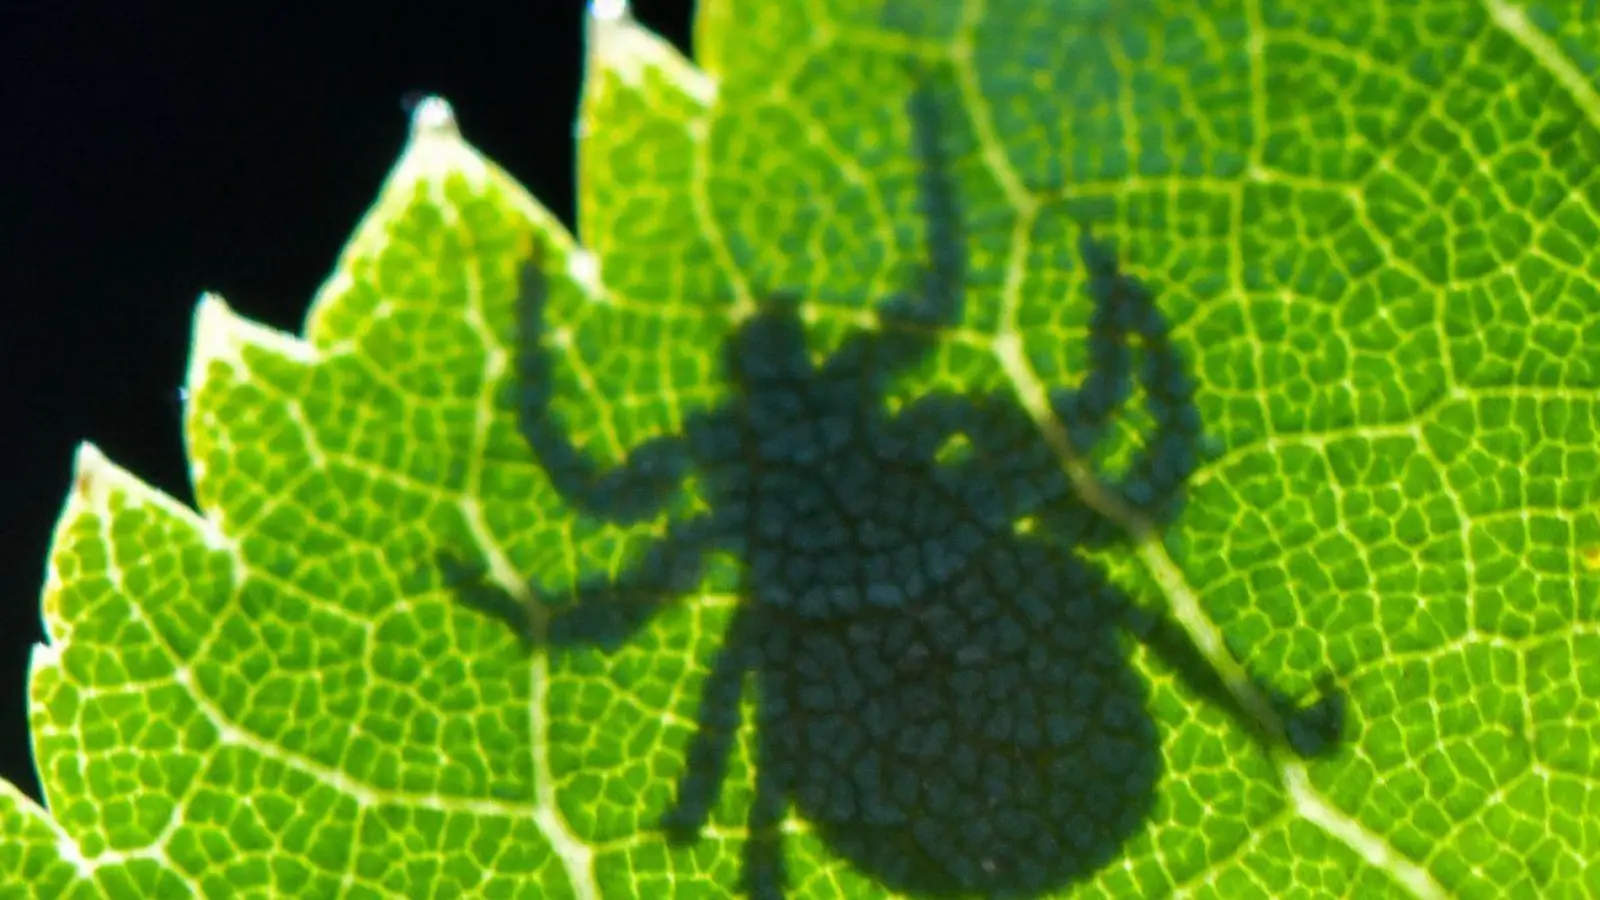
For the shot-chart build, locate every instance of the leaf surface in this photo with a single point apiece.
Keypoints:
(1366, 227)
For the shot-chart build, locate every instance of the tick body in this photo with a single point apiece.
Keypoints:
(942, 695)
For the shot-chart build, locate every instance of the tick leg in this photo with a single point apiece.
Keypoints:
(1273, 719)
(636, 490)
(937, 299)
(716, 725)
(909, 323)
(763, 872)
(1124, 308)
(608, 612)
(1118, 301)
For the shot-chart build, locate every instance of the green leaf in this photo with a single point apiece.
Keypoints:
(1359, 659)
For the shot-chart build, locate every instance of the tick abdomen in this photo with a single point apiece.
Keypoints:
(979, 740)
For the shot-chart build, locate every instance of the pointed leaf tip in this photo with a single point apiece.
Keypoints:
(618, 44)
(212, 318)
(609, 10)
(89, 467)
(608, 20)
(433, 116)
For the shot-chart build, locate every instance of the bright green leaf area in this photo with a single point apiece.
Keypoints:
(1368, 226)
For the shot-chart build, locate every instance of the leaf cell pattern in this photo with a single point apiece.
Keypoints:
(1367, 226)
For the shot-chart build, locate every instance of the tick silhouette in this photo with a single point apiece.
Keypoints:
(942, 694)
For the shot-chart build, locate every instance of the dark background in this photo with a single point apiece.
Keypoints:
(153, 151)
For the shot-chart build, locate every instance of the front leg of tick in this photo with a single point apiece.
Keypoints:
(609, 611)
(638, 489)
(909, 323)
(1125, 308)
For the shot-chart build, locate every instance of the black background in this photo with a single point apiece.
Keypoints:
(153, 151)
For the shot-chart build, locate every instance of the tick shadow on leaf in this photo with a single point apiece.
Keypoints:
(943, 696)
